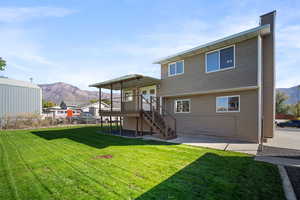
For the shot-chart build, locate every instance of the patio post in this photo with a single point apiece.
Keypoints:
(137, 126)
(121, 94)
(142, 122)
(100, 100)
(121, 107)
(111, 108)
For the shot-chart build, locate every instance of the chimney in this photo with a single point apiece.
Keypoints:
(268, 75)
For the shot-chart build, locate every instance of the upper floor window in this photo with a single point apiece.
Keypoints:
(220, 59)
(228, 104)
(176, 68)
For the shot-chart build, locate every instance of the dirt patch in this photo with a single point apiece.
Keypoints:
(103, 157)
(294, 175)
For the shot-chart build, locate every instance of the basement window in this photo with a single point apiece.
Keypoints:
(182, 106)
(228, 104)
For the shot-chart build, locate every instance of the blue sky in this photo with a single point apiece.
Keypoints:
(82, 42)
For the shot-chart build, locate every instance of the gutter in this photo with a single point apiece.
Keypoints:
(259, 29)
(212, 91)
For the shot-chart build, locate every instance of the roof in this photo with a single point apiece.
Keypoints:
(260, 30)
(128, 81)
(12, 82)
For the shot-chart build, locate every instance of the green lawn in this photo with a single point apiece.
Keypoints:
(66, 163)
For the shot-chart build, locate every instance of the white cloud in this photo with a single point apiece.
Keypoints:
(27, 57)
(17, 14)
(165, 41)
(288, 36)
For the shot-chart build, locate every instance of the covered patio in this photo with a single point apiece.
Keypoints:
(129, 98)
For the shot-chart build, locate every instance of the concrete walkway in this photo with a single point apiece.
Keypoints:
(286, 143)
(213, 142)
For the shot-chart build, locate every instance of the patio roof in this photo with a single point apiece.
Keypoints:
(260, 30)
(129, 81)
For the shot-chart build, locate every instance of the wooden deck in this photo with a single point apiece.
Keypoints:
(119, 113)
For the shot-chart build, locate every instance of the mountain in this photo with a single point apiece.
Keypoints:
(58, 92)
(293, 93)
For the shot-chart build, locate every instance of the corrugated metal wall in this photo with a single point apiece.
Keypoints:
(16, 100)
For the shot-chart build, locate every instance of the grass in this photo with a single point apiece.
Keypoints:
(68, 163)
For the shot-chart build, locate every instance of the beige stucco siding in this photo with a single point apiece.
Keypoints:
(129, 123)
(203, 118)
(195, 79)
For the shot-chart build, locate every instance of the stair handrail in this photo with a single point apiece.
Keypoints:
(165, 112)
(154, 101)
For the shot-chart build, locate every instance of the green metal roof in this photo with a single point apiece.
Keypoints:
(128, 81)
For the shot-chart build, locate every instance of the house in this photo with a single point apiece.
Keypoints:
(19, 97)
(90, 107)
(223, 88)
(93, 109)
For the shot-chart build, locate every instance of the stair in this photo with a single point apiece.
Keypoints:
(157, 122)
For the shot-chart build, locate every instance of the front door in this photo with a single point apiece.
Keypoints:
(147, 92)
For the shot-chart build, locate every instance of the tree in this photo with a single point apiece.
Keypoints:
(281, 108)
(107, 101)
(2, 64)
(94, 101)
(63, 105)
(294, 109)
(48, 104)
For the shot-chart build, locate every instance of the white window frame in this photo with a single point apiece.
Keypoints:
(219, 50)
(175, 105)
(130, 96)
(176, 74)
(228, 111)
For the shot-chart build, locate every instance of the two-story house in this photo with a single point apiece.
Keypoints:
(223, 88)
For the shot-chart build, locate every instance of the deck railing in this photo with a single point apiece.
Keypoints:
(139, 103)
(158, 111)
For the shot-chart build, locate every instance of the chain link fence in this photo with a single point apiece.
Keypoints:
(29, 121)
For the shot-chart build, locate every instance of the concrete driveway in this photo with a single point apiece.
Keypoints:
(286, 138)
(283, 149)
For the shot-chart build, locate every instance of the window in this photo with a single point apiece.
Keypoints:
(144, 92)
(152, 91)
(182, 106)
(176, 68)
(127, 96)
(228, 104)
(220, 59)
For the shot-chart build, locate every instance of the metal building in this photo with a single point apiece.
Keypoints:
(19, 97)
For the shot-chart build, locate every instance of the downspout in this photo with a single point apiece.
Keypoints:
(260, 96)
(100, 112)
